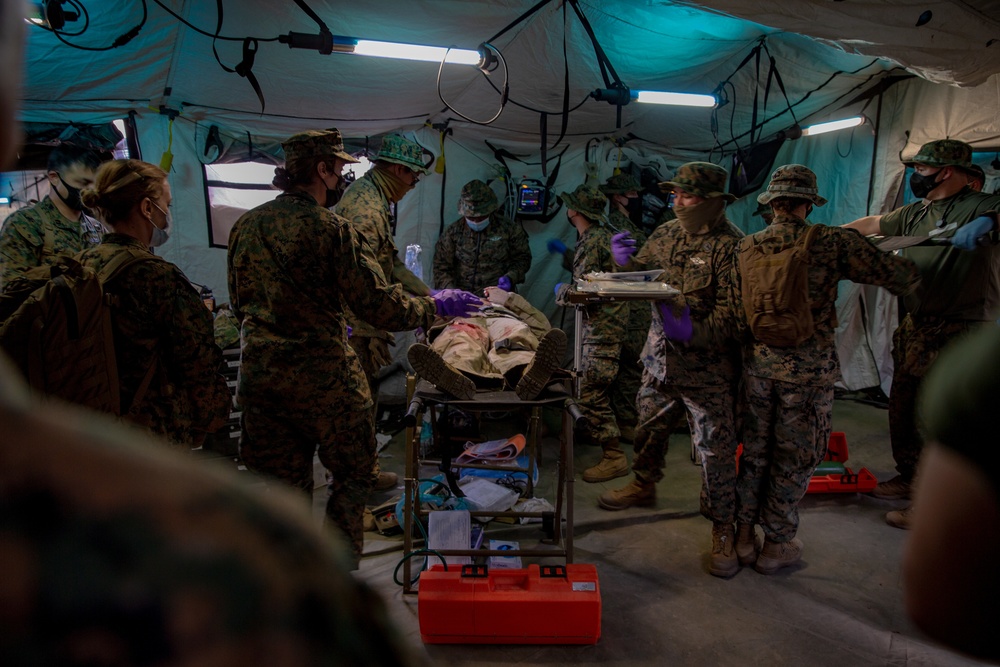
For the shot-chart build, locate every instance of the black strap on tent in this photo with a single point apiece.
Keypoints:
(602, 58)
(520, 18)
(245, 66)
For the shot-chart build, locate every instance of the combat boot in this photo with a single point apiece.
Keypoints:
(896, 488)
(430, 366)
(724, 562)
(613, 464)
(900, 518)
(747, 544)
(776, 555)
(548, 357)
(640, 494)
(386, 481)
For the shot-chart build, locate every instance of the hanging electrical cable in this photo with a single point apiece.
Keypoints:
(54, 18)
(487, 64)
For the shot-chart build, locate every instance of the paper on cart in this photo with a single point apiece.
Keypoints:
(626, 276)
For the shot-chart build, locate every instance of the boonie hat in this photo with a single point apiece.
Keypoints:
(619, 184)
(586, 200)
(792, 180)
(400, 150)
(702, 179)
(477, 199)
(943, 153)
(315, 143)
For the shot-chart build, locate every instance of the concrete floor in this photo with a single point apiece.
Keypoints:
(842, 606)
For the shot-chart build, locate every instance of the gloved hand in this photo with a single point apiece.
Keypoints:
(558, 287)
(556, 246)
(676, 328)
(622, 248)
(504, 283)
(456, 303)
(967, 236)
(350, 330)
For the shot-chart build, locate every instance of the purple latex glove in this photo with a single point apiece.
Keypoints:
(622, 248)
(456, 303)
(676, 328)
(967, 236)
(350, 330)
(504, 283)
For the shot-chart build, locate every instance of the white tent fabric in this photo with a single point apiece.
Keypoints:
(832, 59)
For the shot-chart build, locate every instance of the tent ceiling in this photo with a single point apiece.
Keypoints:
(826, 53)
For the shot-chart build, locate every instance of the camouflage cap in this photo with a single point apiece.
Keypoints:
(702, 179)
(400, 150)
(619, 184)
(586, 200)
(477, 199)
(943, 153)
(315, 143)
(792, 180)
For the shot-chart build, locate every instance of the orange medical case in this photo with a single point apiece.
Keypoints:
(839, 479)
(547, 604)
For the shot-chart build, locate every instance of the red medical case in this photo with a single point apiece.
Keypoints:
(839, 479)
(548, 604)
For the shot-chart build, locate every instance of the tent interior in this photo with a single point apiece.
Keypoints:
(199, 87)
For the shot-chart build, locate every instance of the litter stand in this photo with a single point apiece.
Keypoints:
(426, 396)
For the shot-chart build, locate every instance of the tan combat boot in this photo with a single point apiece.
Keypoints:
(900, 518)
(640, 494)
(613, 464)
(430, 366)
(896, 488)
(548, 357)
(386, 481)
(724, 562)
(747, 544)
(776, 555)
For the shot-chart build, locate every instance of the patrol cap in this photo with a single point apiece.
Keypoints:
(619, 184)
(400, 150)
(586, 200)
(792, 180)
(702, 179)
(943, 153)
(477, 199)
(315, 143)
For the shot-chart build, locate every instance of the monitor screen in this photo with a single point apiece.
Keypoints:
(531, 199)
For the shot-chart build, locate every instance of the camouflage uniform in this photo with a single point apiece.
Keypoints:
(366, 206)
(117, 551)
(789, 390)
(473, 260)
(699, 383)
(160, 319)
(958, 290)
(294, 268)
(36, 235)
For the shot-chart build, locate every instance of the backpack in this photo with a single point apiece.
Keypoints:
(56, 326)
(775, 288)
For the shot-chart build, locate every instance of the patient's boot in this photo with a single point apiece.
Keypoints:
(548, 357)
(613, 464)
(430, 366)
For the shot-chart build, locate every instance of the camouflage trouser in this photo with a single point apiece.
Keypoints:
(629, 378)
(915, 346)
(486, 347)
(785, 436)
(610, 381)
(709, 413)
(283, 447)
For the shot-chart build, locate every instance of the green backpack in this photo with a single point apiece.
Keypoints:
(56, 327)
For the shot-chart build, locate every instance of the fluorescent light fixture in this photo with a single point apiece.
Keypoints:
(678, 99)
(4, 201)
(434, 54)
(832, 126)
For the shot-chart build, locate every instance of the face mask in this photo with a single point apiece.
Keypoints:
(634, 208)
(700, 218)
(72, 198)
(477, 226)
(160, 236)
(921, 186)
(334, 194)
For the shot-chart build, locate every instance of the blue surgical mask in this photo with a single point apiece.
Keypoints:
(477, 226)
(160, 236)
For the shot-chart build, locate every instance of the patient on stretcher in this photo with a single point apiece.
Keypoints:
(508, 344)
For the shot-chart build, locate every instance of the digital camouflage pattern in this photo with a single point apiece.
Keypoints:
(702, 179)
(792, 180)
(294, 269)
(942, 153)
(477, 198)
(36, 235)
(619, 184)
(400, 150)
(603, 339)
(315, 142)
(117, 551)
(471, 260)
(160, 318)
(709, 412)
(955, 284)
(586, 200)
(785, 436)
(367, 209)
